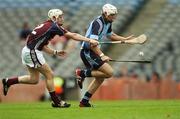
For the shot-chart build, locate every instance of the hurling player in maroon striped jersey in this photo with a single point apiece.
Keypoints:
(32, 54)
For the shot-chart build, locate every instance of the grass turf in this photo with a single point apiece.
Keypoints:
(166, 109)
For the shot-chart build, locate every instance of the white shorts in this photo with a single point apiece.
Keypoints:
(32, 58)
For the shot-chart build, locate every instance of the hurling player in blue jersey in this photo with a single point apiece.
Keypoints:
(32, 54)
(94, 59)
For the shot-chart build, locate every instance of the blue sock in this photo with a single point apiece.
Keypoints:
(86, 97)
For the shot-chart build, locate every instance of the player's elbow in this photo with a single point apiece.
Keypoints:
(74, 36)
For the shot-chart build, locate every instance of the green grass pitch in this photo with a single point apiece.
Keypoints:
(166, 109)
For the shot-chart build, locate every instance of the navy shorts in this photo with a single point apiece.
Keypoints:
(90, 59)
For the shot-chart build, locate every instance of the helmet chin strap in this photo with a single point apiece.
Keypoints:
(60, 24)
(105, 19)
(54, 19)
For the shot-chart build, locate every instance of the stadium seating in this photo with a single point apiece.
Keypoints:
(14, 12)
(163, 42)
(162, 47)
(73, 60)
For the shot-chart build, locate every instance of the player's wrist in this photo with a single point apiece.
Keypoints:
(55, 52)
(102, 55)
(123, 41)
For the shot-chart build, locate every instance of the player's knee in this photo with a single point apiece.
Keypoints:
(34, 80)
(100, 80)
(109, 73)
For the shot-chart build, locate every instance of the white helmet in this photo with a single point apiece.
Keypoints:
(109, 9)
(54, 13)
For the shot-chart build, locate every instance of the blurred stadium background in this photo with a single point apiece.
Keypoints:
(158, 19)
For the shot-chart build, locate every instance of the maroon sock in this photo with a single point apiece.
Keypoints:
(12, 81)
(54, 98)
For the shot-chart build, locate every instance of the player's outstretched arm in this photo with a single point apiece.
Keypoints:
(79, 37)
(115, 37)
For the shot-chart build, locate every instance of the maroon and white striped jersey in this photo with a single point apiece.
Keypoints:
(43, 33)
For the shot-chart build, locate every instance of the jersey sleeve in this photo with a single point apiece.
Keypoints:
(64, 30)
(109, 32)
(95, 30)
(58, 30)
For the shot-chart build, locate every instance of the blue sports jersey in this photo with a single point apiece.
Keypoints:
(98, 30)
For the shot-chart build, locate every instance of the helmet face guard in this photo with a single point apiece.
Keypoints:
(109, 9)
(54, 13)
